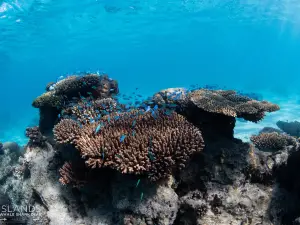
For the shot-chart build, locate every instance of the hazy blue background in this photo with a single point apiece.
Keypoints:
(250, 45)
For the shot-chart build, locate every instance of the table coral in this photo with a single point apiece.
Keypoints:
(231, 104)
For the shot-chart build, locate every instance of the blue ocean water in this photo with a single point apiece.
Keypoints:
(251, 46)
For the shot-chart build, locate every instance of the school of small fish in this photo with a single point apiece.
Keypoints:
(132, 102)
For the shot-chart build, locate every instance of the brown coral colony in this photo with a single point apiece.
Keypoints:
(138, 142)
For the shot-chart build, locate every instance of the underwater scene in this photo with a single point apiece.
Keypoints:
(179, 112)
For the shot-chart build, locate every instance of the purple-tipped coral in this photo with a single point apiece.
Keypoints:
(36, 139)
(272, 141)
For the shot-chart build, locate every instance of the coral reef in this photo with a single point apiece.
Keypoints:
(291, 128)
(272, 141)
(112, 164)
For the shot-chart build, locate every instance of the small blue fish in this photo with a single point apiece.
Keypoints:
(172, 105)
(102, 155)
(133, 123)
(112, 89)
(108, 119)
(89, 93)
(133, 133)
(142, 195)
(59, 116)
(97, 128)
(168, 112)
(118, 156)
(155, 107)
(177, 96)
(137, 183)
(122, 138)
(94, 87)
(60, 78)
(154, 115)
(84, 83)
(151, 156)
(148, 108)
(92, 121)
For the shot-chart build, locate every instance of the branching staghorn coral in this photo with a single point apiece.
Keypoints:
(138, 142)
(272, 141)
(66, 131)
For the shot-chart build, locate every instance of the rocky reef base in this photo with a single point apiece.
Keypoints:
(228, 182)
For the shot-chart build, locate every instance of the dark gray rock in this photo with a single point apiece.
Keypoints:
(291, 128)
